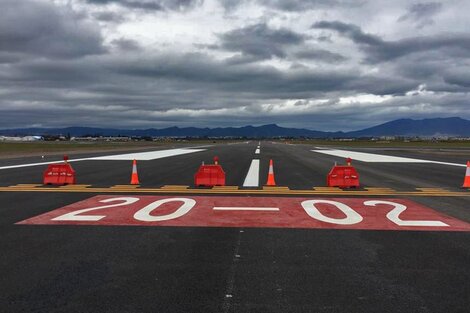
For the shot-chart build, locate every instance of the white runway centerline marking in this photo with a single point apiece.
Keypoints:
(223, 208)
(257, 151)
(379, 158)
(252, 177)
(142, 156)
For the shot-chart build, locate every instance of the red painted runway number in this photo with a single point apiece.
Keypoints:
(347, 213)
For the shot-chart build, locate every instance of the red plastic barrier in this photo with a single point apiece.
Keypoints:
(59, 174)
(210, 175)
(343, 176)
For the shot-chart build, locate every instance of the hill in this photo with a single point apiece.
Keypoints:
(452, 126)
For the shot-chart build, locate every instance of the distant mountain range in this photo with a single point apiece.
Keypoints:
(452, 126)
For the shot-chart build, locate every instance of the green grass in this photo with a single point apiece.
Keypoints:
(51, 147)
(9, 148)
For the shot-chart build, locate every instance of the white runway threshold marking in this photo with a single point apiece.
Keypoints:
(252, 177)
(379, 158)
(142, 156)
(223, 208)
(146, 156)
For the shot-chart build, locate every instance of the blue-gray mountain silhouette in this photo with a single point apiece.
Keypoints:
(452, 126)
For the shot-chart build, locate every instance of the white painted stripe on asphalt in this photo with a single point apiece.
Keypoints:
(257, 151)
(252, 177)
(237, 143)
(223, 208)
(35, 164)
(145, 156)
(379, 158)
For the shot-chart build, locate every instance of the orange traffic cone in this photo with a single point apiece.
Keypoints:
(135, 176)
(466, 181)
(271, 181)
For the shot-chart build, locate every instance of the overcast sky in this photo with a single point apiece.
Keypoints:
(319, 64)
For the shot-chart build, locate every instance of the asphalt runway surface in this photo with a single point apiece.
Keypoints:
(244, 262)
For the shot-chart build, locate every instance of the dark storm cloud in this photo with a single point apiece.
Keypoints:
(201, 69)
(379, 50)
(126, 44)
(421, 13)
(144, 5)
(295, 5)
(165, 81)
(260, 41)
(301, 5)
(352, 31)
(42, 29)
(320, 55)
(58, 68)
(243, 59)
(458, 77)
(381, 84)
(181, 4)
(109, 17)
(54, 74)
(264, 81)
(9, 57)
(152, 5)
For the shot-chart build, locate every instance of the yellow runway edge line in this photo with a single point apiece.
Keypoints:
(176, 189)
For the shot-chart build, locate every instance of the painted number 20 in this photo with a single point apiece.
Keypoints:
(141, 215)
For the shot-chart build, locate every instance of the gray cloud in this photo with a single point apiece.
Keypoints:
(295, 5)
(175, 81)
(379, 50)
(188, 63)
(421, 13)
(260, 41)
(109, 17)
(320, 55)
(42, 29)
(9, 57)
(152, 5)
(460, 77)
(126, 44)
(199, 69)
(301, 5)
(352, 31)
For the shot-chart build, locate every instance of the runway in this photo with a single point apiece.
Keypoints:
(243, 247)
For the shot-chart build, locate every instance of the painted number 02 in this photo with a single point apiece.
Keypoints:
(352, 217)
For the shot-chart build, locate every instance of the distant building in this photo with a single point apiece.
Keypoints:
(24, 138)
